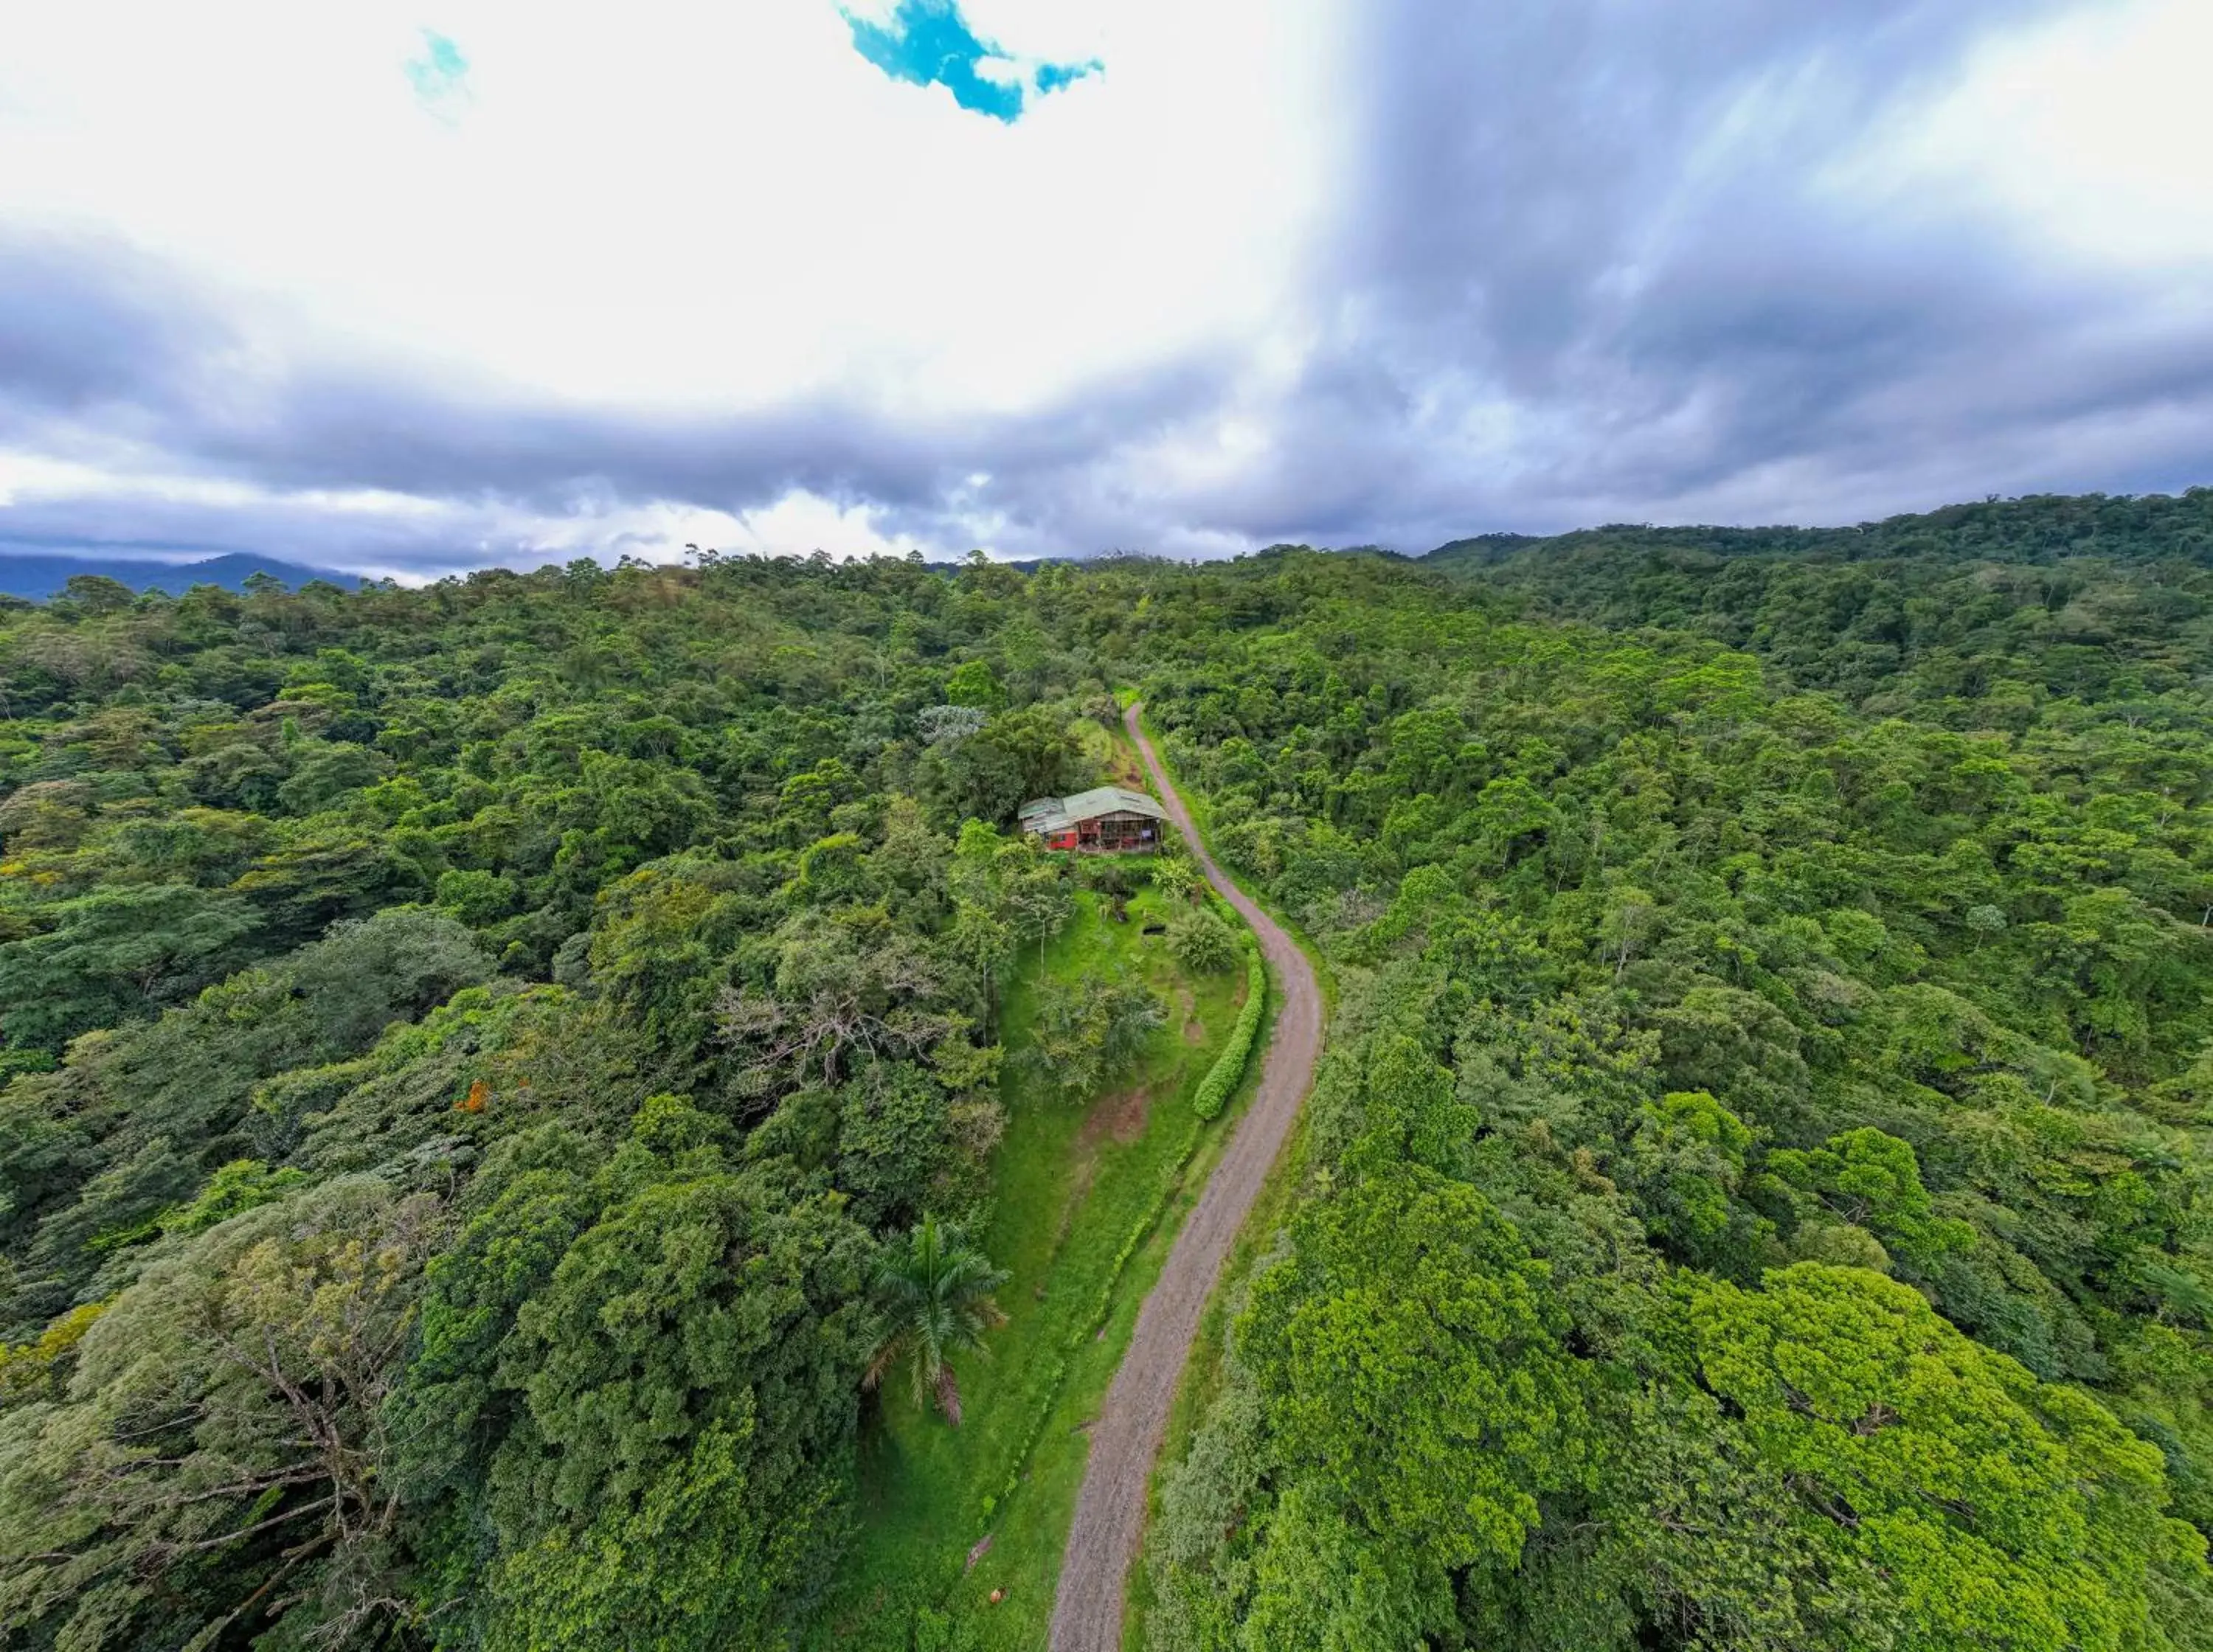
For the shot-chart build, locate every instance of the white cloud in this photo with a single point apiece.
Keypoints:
(679, 206)
(1337, 268)
(185, 515)
(2086, 138)
(677, 209)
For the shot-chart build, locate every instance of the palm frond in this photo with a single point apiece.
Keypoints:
(934, 1290)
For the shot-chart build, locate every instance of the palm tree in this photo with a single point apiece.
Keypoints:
(935, 1290)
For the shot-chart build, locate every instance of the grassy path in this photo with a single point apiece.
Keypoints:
(1110, 1510)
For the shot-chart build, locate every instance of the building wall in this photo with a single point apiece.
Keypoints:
(1127, 830)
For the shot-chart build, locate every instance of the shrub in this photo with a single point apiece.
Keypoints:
(1214, 1090)
(1089, 1032)
(1176, 876)
(1109, 875)
(1202, 942)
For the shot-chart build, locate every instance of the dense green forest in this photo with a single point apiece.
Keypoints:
(491, 1070)
(1756, 1191)
(498, 1072)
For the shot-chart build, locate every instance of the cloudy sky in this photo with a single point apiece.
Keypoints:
(411, 288)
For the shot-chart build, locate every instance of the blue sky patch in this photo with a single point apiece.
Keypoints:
(930, 43)
(440, 75)
(1052, 76)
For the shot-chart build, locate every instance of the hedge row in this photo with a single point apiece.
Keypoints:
(1214, 1090)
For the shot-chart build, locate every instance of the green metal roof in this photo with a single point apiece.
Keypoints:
(1045, 816)
(1111, 800)
(1052, 815)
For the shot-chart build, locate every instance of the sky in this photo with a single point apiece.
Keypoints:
(406, 289)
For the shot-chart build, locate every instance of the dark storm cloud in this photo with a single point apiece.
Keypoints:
(1605, 223)
(87, 333)
(104, 354)
(1592, 264)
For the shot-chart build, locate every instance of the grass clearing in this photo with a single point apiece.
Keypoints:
(1073, 1183)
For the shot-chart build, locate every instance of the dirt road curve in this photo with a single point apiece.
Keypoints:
(1110, 1512)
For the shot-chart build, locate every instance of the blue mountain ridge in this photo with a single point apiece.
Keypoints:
(39, 575)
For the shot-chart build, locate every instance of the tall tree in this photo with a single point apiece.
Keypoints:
(934, 1290)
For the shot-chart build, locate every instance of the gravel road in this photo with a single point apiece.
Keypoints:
(1110, 1511)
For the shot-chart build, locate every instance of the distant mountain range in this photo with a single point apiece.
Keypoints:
(39, 575)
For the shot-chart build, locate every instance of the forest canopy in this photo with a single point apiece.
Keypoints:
(476, 1059)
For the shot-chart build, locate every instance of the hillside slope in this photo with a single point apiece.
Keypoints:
(1980, 602)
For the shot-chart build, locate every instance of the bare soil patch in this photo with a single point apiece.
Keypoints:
(1119, 1117)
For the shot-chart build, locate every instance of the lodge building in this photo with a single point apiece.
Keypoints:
(1104, 818)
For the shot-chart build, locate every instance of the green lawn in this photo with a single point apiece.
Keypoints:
(1073, 1183)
